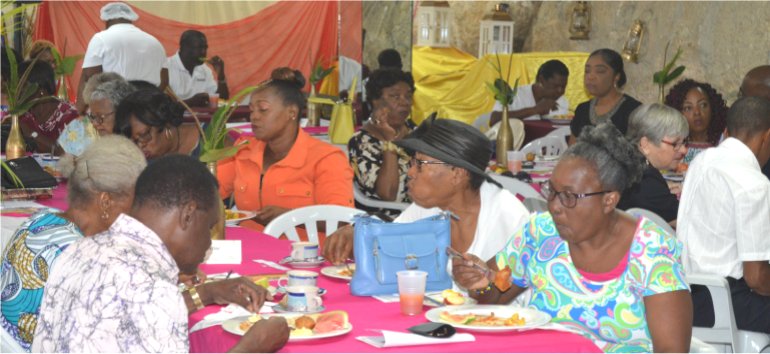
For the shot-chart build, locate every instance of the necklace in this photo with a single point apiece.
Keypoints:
(596, 118)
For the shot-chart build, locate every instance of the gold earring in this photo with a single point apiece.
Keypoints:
(105, 215)
(167, 133)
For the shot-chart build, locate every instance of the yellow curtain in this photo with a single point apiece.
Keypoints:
(454, 83)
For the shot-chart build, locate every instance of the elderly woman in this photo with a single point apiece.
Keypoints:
(706, 113)
(660, 133)
(604, 78)
(153, 121)
(282, 167)
(452, 155)
(103, 104)
(615, 279)
(100, 187)
(45, 120)
(379, 165)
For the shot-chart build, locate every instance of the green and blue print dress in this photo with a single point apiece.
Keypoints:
(610, 313)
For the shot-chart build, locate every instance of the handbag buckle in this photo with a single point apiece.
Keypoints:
(410, 262)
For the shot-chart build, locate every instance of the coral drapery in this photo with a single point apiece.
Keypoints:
(286, 33)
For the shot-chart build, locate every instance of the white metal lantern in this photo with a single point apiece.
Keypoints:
(433, 24)
(496, 32)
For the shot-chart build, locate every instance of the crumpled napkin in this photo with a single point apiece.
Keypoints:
(228, 312)
(400, 339)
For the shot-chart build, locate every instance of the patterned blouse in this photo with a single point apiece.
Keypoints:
(365, 154)
(114, 292)
(693, 149)
(611, 313)
(27, 262)
(64, 113)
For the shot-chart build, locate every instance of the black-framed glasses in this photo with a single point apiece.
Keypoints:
(417, 162)
(567, 198)
(143, 138)
(98, 118)
(676, 146)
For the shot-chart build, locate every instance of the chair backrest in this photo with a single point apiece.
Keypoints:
(517, 130)
(535, 204)
(330, 215)
(362, 199)
(654, 218)
(561, 132)
(725, 331)
(546, 146)
(516, 187)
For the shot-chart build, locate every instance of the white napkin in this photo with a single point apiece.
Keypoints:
(228, 312)
(270, 264)
(402, 339)
(224, 252)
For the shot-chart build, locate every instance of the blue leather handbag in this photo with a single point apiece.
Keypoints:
(382, 249)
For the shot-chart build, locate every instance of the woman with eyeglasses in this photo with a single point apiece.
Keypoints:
(593, 268)
(153, 121)
(104, 102)
(446, 173)
(660, 132)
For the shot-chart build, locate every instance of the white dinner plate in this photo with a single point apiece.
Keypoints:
(533, 318)
(242, 215)
(547, 158)
(334, 271)
(305, 263)
(438, 299)
(233, 326)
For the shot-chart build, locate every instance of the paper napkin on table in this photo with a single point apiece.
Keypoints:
(402, 339)
(228, 312)
(270, 264)
(224, 252)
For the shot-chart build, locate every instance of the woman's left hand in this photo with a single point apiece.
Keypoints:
(241, 291)
(268, 213)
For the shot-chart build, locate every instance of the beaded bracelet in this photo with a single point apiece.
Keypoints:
(484, 290)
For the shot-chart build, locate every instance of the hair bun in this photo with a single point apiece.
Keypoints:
(288, 75)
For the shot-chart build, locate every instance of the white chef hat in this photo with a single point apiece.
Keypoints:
(116, 10)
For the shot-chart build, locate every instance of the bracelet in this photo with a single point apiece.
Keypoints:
(389, 146)
(195, 298)
(484, 290)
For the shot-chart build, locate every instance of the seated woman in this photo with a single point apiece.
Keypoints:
(660, 133)
(604, 78)
(379, 165)
(614, 279)
(153, 121)
(706, 113)
(43, 51)
(100, 187)
(282, 167)
(446, 173)
(45, 120)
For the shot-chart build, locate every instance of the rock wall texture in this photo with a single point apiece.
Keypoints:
(388, 24)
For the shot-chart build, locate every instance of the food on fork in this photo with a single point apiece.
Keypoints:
(503, 279)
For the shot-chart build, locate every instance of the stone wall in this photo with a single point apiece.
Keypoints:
(388, 24)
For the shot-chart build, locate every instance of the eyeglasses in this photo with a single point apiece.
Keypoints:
(98, 119)
(567, 199)
(678, 145)
(143, 138)
(415, 161)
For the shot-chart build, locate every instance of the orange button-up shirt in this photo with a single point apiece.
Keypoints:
(313, 172)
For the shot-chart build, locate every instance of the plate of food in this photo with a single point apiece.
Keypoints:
(449, 297)
(339, 272)
(489, 318)
(233, 217)
(559, 118)
(303, 327)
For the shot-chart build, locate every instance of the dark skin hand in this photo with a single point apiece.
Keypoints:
(266, 336)
(338, 247)
(199, 100)
(542, 107)
(267, 214)
(239, 291)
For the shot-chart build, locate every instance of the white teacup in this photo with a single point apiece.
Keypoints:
(301, 251)
(303, 298)
(299, 278)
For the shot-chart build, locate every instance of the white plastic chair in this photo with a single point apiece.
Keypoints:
(482, 122)
(8, 344)
(725, 333)
(362, 199)
(561, 132)
(654, 218)
(516, 187)
(517, 130)
(330, 215)
(548, 146)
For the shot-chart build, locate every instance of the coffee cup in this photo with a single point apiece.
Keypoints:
(301, 251)
(303, 298)
(299, 278)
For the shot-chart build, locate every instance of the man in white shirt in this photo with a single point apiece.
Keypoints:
(190, 78)
(724, 217)
(124, 49)
(544, 97)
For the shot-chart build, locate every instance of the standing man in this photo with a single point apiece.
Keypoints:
(189, 77)
(124, 49)
(757, 84)
(724, 217)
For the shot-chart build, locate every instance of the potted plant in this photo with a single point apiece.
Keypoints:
(504, 94)
(316, 75)
(666, 75)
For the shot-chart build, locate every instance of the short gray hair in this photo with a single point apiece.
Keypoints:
(97, 80)
(114, 91)
(656, 121)
(110, 164)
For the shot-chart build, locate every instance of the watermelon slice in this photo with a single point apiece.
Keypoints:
(331, 321)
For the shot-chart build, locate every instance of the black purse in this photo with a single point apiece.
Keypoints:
(29, 172)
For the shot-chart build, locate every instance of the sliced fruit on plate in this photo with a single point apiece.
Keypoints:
(463, 318)
(331, 321)
(452, 297)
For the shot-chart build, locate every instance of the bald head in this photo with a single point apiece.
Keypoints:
(756, 83)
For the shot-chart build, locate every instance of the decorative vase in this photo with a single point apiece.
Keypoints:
(62, 93)
(504, 140)
(313, 112)
(218, 231)
(14, 147)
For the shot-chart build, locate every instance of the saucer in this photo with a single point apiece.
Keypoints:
(321, 291)
(305, 263)
(280, 309)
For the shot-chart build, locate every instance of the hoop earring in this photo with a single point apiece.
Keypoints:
(167, 133)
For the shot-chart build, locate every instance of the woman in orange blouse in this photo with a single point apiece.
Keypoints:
(282, 167)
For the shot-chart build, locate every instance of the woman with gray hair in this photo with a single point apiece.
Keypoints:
(100, 187)
(104, 101)
(660, 133)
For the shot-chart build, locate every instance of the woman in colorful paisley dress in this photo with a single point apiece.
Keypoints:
(100, 187)
(596, 270)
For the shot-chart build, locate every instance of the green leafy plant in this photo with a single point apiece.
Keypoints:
(503, 91)
(666, 75)
(319, 73)
(65, 66)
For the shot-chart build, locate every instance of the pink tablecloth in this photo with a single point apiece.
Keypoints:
(365, 313)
